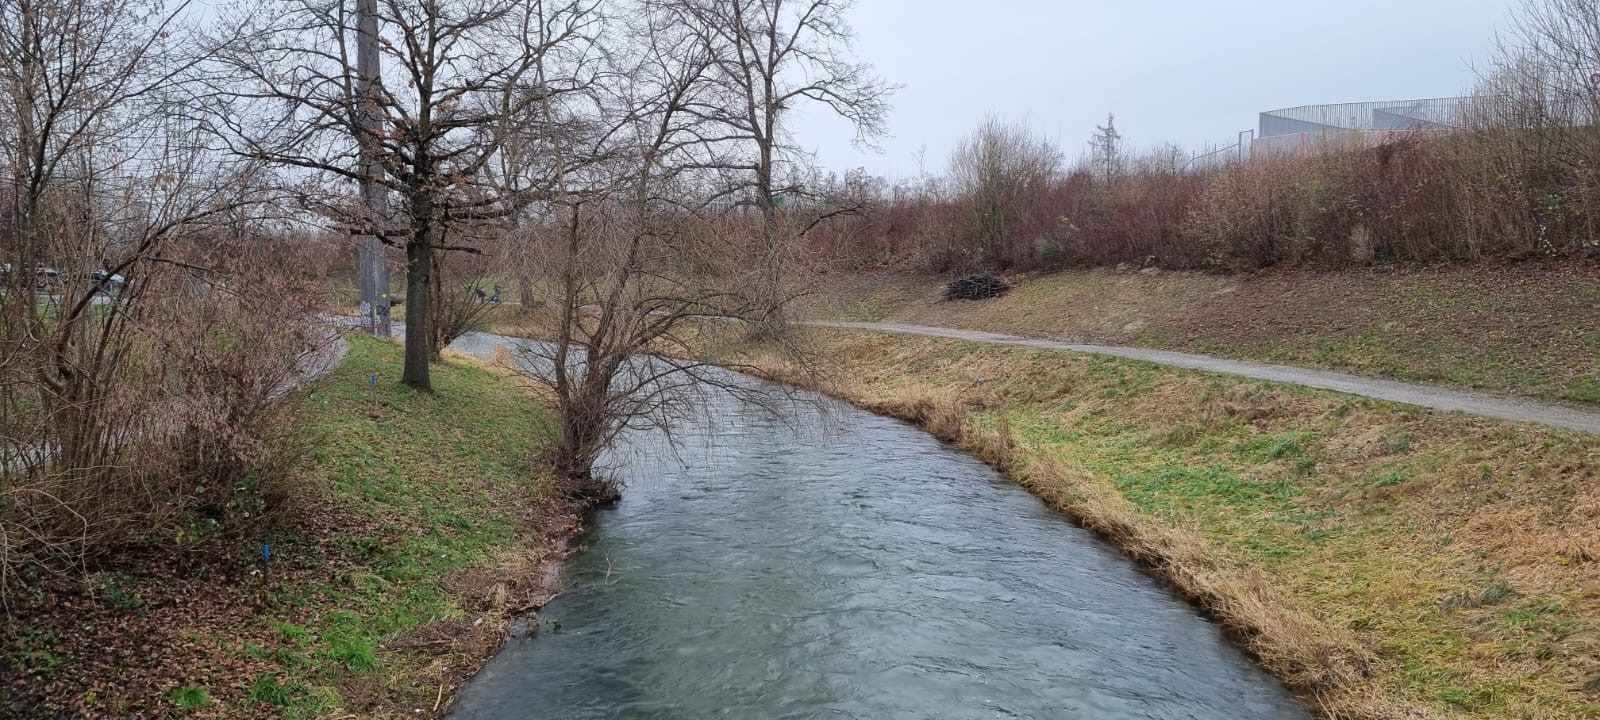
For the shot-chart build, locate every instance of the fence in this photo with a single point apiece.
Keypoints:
(1310, 129)
(1431, 113)
(1239, 152)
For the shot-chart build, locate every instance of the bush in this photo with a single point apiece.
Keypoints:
(1421, 197)
(143, 418)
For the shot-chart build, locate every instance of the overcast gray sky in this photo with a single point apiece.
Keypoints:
(1187, 71)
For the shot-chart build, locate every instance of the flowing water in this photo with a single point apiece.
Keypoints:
(862, 570)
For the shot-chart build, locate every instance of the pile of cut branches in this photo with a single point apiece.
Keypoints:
(976, 287)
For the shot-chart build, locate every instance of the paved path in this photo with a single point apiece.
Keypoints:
(1474, 403)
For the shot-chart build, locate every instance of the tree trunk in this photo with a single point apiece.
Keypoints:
(525, 297)
(583, 435)
(374, 268)
(575, 450)
(419, 311)
(436, 340)
(772, 324)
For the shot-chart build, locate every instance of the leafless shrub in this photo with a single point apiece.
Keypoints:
(464, 298)
(137, 379)
(758, 61)
(999, 171)
(629, 249)
(1518, 176)
(153, 416)
(1517, 182)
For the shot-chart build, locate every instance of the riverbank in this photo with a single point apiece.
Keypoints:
(1382, 561)
(402, 543)
(1471, 326)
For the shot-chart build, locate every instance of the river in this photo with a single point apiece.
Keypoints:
(855, 568)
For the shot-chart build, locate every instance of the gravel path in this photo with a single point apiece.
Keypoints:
(1474, 403)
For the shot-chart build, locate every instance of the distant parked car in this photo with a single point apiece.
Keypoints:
(46, 278)
(108, 282)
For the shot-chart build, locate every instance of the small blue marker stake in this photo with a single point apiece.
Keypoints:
(266, 553)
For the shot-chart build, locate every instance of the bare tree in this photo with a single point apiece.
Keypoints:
(636, 274)
(1553, 48)
(81, 80)
(999, 171)
(456, 75)
(1165, 159)
(1541, 75)
(1535, 110)
(102, 179)
(767, 58)
(464, 296)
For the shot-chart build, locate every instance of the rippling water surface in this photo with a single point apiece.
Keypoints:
(858, 571)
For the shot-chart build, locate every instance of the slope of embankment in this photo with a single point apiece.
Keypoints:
(408, 530)
(1383, 561)
(1530, 329)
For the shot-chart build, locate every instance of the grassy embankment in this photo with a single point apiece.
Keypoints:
(1383, 561)
(416, 527)
(1530, 330)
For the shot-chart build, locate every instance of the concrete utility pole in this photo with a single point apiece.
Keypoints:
(374, 271)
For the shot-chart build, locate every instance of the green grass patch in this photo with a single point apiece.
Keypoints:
(1491, 594)
(436, 481)
(1215, 484)
(1268, 448)
(266, 689)
(191, 697)
(1585, 390)
(1390, 480)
